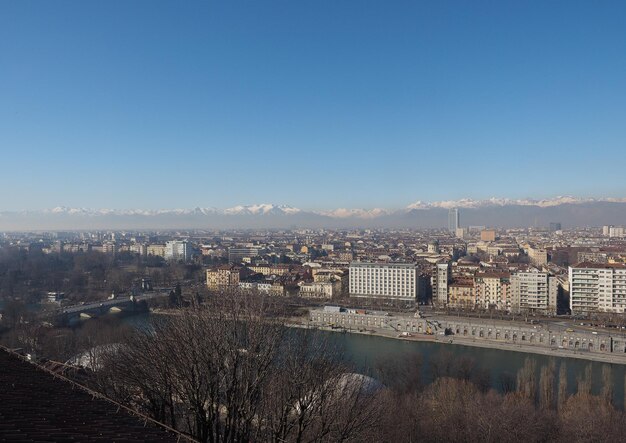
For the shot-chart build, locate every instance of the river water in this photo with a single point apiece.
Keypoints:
(365, 352)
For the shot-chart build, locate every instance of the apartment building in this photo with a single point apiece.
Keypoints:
(268, 287)
(462, 295)
(156, 250)
(384, 280)
(597, 287)
(222, 277)
(239, 255)
(320, 289)
(139, 248)
(492, 290)
(267, 269)
(440, 282)
(538, 256)
(533, 290)
(326, 275)
(454, 221)
(177, 250)
(488, 235)
(345, 256)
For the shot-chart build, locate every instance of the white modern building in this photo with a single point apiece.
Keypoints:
(534, 291)
(597, 287)
(177, 250)
(614, 231)
(384, 280)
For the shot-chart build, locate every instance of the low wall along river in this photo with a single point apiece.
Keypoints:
(539, 337)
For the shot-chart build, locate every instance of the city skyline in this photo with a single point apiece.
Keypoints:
(154, 105)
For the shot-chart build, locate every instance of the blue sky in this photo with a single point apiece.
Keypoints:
(316, 104)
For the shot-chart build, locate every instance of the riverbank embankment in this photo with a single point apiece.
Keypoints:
(546, 339)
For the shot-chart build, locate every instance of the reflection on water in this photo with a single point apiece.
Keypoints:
(365, 351)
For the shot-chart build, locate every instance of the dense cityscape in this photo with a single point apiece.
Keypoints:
(543, 271)
(312, 222)
(69, 300)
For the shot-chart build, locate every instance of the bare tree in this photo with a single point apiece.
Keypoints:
(624, 404)
(584, 381)
(455, 410)
(506, 382)
(546, 386)
(527, 380)
(228, 372)
(402, 374)
(563, 393)
(588, 418)
(607, 384)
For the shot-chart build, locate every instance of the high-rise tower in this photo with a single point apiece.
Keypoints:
(453, 220)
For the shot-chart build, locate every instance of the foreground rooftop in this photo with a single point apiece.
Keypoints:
(38, 405)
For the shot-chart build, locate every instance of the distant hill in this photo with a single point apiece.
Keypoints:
(569, 211)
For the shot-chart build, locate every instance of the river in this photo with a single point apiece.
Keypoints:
(366, 351)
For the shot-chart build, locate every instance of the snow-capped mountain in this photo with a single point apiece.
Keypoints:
(263, 208)
(273, 209)
(504, 212)
(468, 203)
(358, 213)
(236, 210)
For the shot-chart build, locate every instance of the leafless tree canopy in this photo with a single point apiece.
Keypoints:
(227, 372)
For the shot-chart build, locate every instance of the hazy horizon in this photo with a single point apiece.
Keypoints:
(463, 203)
(503, 213)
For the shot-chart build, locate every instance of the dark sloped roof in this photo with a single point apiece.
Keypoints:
(36, 405)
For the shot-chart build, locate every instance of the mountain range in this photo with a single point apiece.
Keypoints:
(498, 212)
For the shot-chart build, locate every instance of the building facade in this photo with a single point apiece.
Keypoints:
(462, 295)
(492, 290)
(488, 235)
(454, 221)
(383, 280)
(177, 250)
(533, 291)
(321, 289)
(596, 287)
(156, 250)
(222, 277)
(440, 283)
(555, 226)
(239, 255)
(267, 269)
(538, 256)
